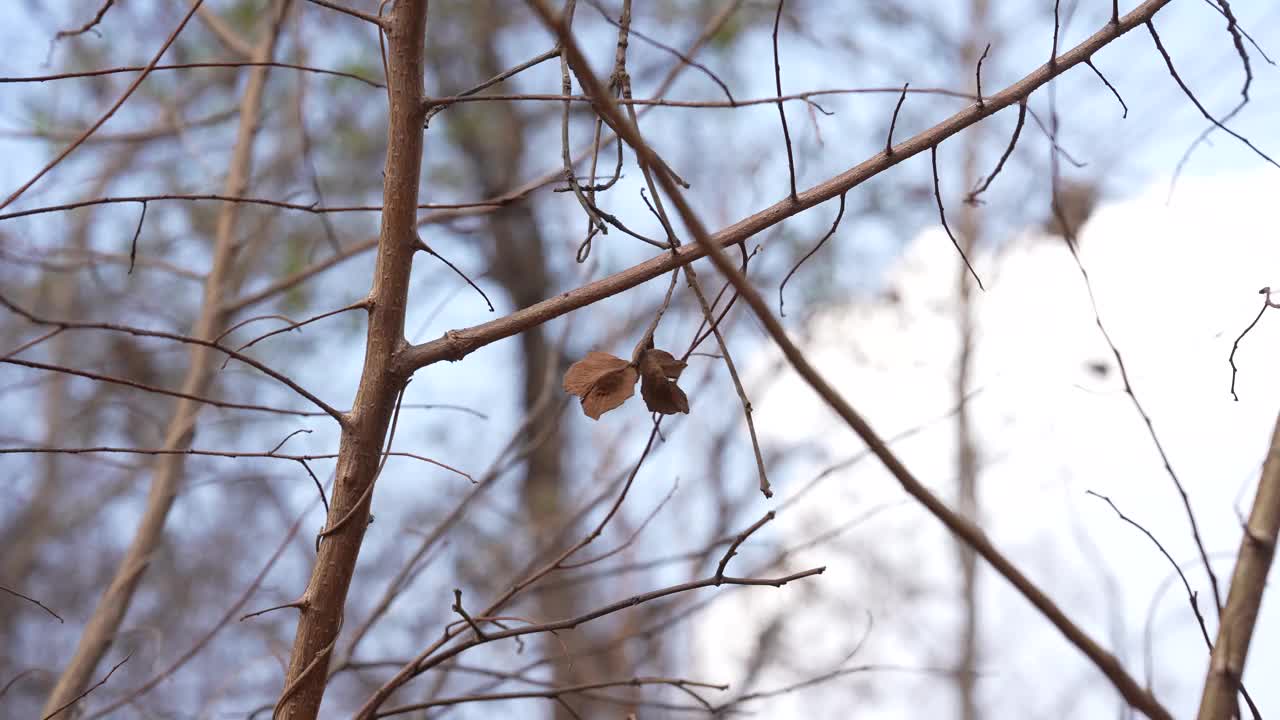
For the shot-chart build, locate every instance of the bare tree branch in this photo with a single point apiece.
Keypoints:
(1244, 599)
(323, 603)
(969, 533)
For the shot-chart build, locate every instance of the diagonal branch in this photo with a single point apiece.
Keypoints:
(155, 60)
(965, 530)
(457, 344)
(62, 325)
(1257, 550)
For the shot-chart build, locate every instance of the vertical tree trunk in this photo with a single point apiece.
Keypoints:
(966, 669)
(166, 477)
(969, 656)
(365, 427)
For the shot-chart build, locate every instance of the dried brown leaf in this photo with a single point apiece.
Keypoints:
(584, 373)
(603, 381)
(658, 372)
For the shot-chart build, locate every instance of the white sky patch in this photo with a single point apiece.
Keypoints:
(1175, 285)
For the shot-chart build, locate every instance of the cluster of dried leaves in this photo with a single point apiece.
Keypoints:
(605, 381)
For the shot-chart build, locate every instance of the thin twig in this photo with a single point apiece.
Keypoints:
(737, 542)
(782, 113)
(1057, 26)
(369, 709)
(133, 246)
(308, 159)
(1191, 96)
(1052, 136)
(888, 142)
(972, 197)
(424, 247)
(1110, 87)
(457, 607)
(834, 225)
(1266, 303)
(42, 450)
(95, 686)
(685, 58)
(435, 106)
(552, 693)
(348, 11)
(296, 605)
(1191, 594)
(196, 197)
(1069, 235)
(181, 660)
(747, 411)
(978, 75)
(297, 325)
(90, 25)
(456, 344)
(942, 214)
(707, 312)
(98, 72)
(1137, 696)
(139, 332)
(594, 223)
(630, 540)
(155, 60)
(646, 338)
(33, 601)
(114, 380)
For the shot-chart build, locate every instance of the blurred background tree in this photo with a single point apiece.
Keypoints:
(307, 136)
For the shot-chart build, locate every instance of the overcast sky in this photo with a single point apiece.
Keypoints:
(1176, 284)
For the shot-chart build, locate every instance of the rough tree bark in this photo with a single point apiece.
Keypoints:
(167, 473)
(365, 427)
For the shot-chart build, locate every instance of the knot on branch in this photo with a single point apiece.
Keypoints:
(458, 344)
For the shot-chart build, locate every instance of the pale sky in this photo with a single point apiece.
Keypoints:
(1175, 284)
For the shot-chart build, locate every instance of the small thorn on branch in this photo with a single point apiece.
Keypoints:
(299, 604)
(981, 104)
(133, 246)
(457, 607)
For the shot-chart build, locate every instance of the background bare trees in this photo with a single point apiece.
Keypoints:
(250, 288)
